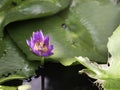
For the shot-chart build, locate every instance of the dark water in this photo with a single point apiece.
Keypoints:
(58, 77)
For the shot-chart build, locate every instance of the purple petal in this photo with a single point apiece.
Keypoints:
(46, 54)
(41, 36)
(35, 37)
(49, 52)
(28, 42)
(36, 52)
(38, 36)
(50, 47)
(46, 41)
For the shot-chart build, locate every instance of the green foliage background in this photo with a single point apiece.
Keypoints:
(75, 27)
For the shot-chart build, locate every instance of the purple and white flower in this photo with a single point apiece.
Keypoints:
(39, 44)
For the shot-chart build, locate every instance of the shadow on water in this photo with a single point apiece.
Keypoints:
(58, 77)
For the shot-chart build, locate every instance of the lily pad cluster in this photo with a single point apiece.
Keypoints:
(76, 28)
(14, 64)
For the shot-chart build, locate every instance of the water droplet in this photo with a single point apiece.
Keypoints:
(64, 26)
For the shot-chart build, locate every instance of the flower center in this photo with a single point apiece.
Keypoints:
(40, 46)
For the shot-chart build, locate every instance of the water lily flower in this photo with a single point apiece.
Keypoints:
(39, 44)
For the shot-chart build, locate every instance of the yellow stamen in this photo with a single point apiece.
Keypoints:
(40, 46)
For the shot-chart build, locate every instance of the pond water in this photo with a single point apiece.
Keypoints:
(58, 77)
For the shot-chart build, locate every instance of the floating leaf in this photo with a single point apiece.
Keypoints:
(12, 61)
(93, 21)
(110, 76)
(82, 29)
(13, 64)
(22, 87)
(15, 10)
(7, 88)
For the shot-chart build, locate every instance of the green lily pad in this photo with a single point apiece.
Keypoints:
(113, 71)
(15, 10)
(98, 18)
(108, 76)
(22, 87)
(12, 60)
(82, 29)
(114, 48)
(13, 64)
(7, 88)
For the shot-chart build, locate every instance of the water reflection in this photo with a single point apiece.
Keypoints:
(58, 77)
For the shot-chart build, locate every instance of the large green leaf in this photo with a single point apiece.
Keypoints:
(98, 18)
(13, 64)
(60, 42)
(114, 70)
(114, 48)
(14, 10)
(83, 29)
(109, 76)
(7, 88)
(22, 87)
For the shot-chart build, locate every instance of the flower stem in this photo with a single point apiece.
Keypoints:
(42, 61)
(42, 76)
(42, 82)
